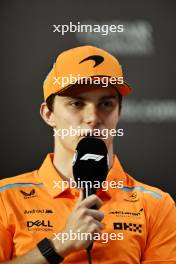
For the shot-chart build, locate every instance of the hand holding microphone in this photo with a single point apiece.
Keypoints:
(90, 165)
(84, 219)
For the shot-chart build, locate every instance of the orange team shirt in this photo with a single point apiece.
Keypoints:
(32, 209)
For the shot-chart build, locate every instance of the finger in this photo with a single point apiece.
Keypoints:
(96, 227)
(97, 215)
(92, 200)
(99, 225)
(80, 198)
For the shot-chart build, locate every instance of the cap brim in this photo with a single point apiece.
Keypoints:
(124, 89)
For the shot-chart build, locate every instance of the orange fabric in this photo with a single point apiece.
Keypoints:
(68, 64)
(32, 209)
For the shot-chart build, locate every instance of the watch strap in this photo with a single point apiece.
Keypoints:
(48, 251)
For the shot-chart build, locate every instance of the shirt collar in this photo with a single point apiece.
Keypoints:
(55, 185)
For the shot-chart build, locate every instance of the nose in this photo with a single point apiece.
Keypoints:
(90, 116)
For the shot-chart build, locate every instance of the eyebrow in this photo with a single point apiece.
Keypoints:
(84, 99)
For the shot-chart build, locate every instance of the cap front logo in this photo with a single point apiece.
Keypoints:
(97, 58)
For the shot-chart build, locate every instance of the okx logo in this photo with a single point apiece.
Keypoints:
(92, 156)
(30, 194)
(128, 226)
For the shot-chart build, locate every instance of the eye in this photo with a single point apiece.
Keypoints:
(107, 104)
(77, 104)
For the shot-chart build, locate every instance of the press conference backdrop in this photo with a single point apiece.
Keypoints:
(146, 49)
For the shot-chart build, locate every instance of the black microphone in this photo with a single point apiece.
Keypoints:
(90, 165)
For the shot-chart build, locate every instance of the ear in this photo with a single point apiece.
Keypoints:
(47, 115)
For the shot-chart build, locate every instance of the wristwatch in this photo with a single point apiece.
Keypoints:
(48, 251)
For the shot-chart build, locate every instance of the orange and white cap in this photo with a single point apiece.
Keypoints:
(83, 62)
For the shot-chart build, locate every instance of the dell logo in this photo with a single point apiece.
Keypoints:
(39, 223)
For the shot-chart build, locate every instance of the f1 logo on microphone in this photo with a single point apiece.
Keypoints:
(92, 156)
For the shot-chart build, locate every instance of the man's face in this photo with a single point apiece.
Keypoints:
(90, 107)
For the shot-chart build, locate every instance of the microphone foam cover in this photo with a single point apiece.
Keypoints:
(90, 162)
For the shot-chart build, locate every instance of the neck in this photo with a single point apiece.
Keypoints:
(63, 162)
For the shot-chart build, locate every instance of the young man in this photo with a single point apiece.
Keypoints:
(36, 212)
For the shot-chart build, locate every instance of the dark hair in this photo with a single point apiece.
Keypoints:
(50, 101)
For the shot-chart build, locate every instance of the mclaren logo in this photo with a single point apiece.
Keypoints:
(97, 58)
(92, 156)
